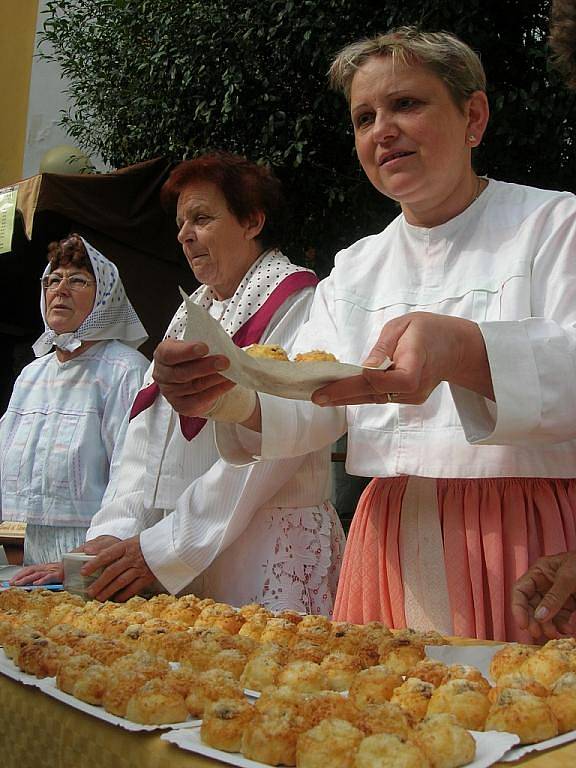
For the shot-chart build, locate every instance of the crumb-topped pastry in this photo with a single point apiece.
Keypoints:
(519, 712)
(562, 701)
(385, 718)
(210, 686)
(401, 653)
(386, 750)
(270, 737)
(373, 686)
(269, 351)
(314, 356)
(467, 672)
(547, 664)
(445, 743)
(510, 659)
(71, 669)
(330, 743)
(155, 703)
(431, 671)
(224, 722)
(340, 669)
(413, 696)
(465, 699)
(304, 676)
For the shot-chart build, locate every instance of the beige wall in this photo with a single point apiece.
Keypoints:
(17, 30)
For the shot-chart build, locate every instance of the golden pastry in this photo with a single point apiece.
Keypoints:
(268, 351)
(330, 743)
(413, 696)
(328, 705)
(224, 722)
(119, 689)
(222, 616)
(182, 679)
(306, 650)
(430, 671)
(351, 638)
(303, 676)
(70, 670)
(445, 743)
(520, 681)
(91, 684)
(562, 702)
(279, 631)
(16, 637)
(210, 686)
(340, 670)
(467, 672)
(385, 718)
(254, 626)
(271, 737)
(65, 634)
(230, 660)
(528, 716)
(42, 658)
(156, 703)
(509, 659)
(252, 609)
(386, 750)
(374, 686)
(401, 654)
(547, 664)
(465, 699)
(314, 356)
(289, 615)
(260, 672)
(103, 649)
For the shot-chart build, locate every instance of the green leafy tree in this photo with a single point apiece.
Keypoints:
(179, 77)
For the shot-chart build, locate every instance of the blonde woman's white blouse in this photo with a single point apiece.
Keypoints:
(508, 262)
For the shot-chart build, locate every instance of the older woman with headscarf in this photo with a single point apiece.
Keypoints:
(64, 418)
(175, 511)
(470, 292)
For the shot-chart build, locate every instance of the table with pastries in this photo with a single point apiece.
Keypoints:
(37, 730)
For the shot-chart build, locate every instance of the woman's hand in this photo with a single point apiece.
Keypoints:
(188, 378)
(53, 573)
(125, 571)
(36, 575)
(425, 349)
(544, 598)
(95, 546)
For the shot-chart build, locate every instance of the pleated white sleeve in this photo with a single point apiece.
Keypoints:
(533, 359)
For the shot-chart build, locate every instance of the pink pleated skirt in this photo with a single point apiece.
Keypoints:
(492, 530)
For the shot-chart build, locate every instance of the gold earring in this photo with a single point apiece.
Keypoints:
(471, 138)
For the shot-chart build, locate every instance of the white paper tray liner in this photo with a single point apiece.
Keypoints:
(480, 656)
(295, 381)
(489, 748)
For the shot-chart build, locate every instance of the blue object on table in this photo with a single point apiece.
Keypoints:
(52, 587)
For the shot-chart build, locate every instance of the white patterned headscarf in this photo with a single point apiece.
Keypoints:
(112, 316)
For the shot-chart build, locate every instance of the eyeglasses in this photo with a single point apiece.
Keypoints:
(74, 283)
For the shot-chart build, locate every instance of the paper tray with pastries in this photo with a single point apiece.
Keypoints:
(295, 381)
(480, 656)
(8, 668)
(489, 748)
(48, 686)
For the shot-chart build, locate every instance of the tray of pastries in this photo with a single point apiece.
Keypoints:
(245, 674)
